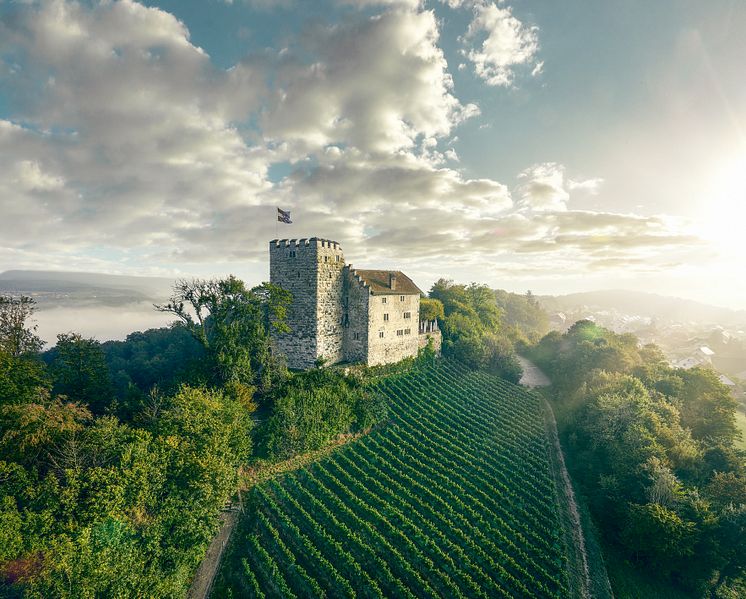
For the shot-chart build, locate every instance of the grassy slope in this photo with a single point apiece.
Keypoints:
(454, 496)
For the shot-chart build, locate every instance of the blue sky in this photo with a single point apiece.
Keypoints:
(524, 144)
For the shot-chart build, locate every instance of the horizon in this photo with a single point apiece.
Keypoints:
(466, 139)
(424, 288)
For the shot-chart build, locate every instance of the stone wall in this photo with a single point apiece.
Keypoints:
(355, 299)
(334, 315)
(330, 282)
(311, 270)
(293, 266)
(400, 334)
(437, 340)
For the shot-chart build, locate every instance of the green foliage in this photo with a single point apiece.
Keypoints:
(233, 325)
(312, 408)
(93, 507)
(527, 321)
(21, 372)
(80, 372)
(431, 309)
(652, 449)
(706, 406)
(658, 534)
(472, 329)
(21, 377)
(102, 508)
(164, 358)
(16, 337)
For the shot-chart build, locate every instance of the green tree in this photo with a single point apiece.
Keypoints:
(314, 407)
(706, 406)
(16, 336)
(659, 535)
(431, 309)
(22, 373)
(473, 330)
(233, 326)
(81, 373)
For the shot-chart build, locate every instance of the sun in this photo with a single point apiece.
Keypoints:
(723, 220)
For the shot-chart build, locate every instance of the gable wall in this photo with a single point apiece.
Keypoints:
(392, 347)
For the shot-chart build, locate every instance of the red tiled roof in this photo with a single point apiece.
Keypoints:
(378, 281)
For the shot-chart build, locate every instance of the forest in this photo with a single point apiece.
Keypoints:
(652, 450)
(116, 458)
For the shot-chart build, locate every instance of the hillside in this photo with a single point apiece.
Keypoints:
(453, 497)
(54, 289)
(92, 304)
(662, 308)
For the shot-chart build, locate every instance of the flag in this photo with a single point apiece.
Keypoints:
(284, 217)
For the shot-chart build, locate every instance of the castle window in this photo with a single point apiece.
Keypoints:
(407, 331)
(400, 332)
(291, 253)
(407, 315)
(385, 317)
(401, 298)
(383, 300)
(380, 334)
(356, 336)
(326, 258)
(336, 258)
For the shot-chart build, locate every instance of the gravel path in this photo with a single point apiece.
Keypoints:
(532, 376)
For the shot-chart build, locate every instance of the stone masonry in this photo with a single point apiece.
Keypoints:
(342, 314)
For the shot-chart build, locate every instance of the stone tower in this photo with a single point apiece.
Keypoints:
(312, 270)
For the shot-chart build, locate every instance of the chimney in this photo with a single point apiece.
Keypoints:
(392, 280)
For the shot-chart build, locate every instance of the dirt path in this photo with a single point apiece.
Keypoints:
(204, 577)
(532, 376)
(205, 574)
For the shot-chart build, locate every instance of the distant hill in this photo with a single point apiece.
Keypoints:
(662, 308)
(53, 289)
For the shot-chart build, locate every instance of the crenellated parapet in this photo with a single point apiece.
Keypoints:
(314, 242)
(357, 279)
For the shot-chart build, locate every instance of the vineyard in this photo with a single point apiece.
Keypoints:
(453, 497)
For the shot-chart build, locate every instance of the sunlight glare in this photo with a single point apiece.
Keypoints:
(723, 221)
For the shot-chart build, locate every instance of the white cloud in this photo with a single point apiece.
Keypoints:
(501, 43)
(542, 187)
(131, 138)
(411, 4)
(377, 84)
(31, 177)
(590, 186)
(133, 156)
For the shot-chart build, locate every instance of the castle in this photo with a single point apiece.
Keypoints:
(342, 314)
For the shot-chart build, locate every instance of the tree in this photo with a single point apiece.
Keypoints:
(431, 309)
(16, 338)
(32, 432)
(473, 330)
(707, 406)
(22, 373)
(81, 373)
(233, 326)
(659, 534)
